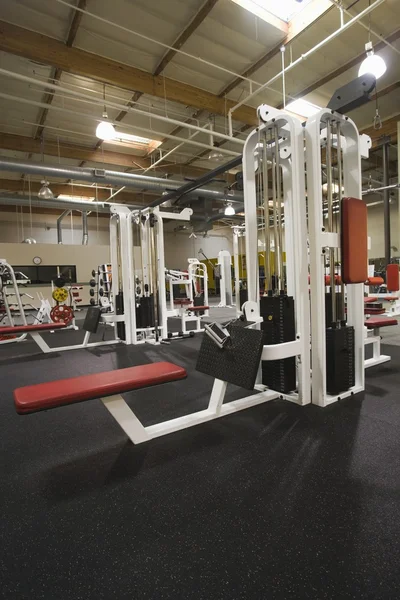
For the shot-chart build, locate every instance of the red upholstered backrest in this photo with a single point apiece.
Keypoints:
(392, 278)
(354, 241)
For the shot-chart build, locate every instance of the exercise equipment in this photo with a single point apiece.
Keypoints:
(62, 314)
(60, 294)
(337, 240)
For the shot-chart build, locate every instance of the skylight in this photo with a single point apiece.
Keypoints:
(130, 140)
(303, 108)
(284, 10)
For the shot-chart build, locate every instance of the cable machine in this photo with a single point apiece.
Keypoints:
(338, 255)
(275, 217)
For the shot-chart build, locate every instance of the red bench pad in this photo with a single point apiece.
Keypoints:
(29, 328)
(195, 308)
(374, 311)
(43, 396)
(375, 322)
(370, 299)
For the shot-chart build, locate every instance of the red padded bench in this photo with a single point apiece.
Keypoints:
(197, 308)
(374, 311)
(377, 322)
(31, 328)
(53, 394)
(370, 299)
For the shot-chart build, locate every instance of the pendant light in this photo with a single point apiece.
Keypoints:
(105, 129)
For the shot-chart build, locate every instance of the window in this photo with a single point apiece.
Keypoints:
(46, 274)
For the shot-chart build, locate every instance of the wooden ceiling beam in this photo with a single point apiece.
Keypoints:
(37, 47)
(55, 74)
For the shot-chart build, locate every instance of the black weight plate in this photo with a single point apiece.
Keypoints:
(91, 291)
(93, 273)
(92, 283)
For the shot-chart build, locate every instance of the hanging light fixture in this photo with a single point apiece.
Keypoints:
(105, 129)
(373, 63)
(229, 210)
(45, 192)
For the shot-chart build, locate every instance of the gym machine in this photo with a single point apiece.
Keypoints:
(274, 198)
(338, 255)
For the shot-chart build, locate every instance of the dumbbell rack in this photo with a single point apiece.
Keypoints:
(105, 282)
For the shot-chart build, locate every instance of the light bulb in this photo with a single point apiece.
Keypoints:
(229, 210)
(105, 130)
(216, 156)
(45, 192)
(372, 63)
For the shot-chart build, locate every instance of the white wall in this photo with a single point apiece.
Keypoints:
(179, 247)
(15, 228)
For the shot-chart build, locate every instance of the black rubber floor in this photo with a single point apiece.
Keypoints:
(274, 502)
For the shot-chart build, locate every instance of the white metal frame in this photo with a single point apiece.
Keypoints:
(320, 241)
(292, 162)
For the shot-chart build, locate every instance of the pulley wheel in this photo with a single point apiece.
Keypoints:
(60, 294)
(62, 314)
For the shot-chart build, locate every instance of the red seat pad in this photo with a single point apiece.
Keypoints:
(375, 281)
(374, 311)
(375, 322)
(392, 278)
(370, 299)
(28, 328)
(194, 308)
(43, 396)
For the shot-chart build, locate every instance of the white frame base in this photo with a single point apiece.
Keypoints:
(138, 433)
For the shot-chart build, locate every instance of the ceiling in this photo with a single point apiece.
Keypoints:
(85, 52)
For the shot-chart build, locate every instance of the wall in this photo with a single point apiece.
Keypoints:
(15, 227)
(85, 258)
(179, 247)
(376, 231)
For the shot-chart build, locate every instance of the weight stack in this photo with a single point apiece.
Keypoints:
(340, 368)
(243, 297)
(278, 327)
(119, 310)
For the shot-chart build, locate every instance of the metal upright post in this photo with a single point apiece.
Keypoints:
(386, 199)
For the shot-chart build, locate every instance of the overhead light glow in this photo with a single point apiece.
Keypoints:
(105, 130)
(76, 198)
(216, 156)
(302, 107)
(373, 64)
(284, 10)
(229, 210)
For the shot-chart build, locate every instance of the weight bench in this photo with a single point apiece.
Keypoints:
(32, 330)
(107, 386)
(373, 324)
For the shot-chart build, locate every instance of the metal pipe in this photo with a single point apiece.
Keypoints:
(59, 227)
(102, 176)
(19, 200)
(194, 185)
(386, 201)
(394, 186)
(304, 56)
(267, 285)
(85, 229)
